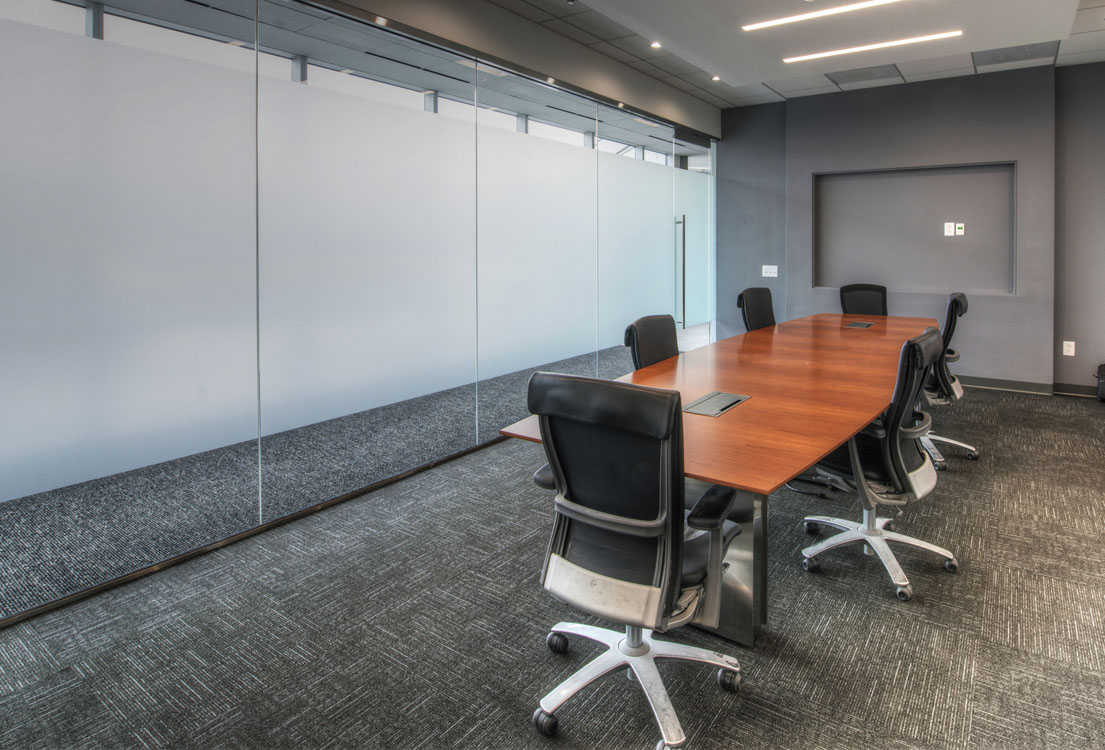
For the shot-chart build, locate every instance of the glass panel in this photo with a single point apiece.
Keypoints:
(636, 232)
(694, 206)
(127, 307)
(367, 262)
(536, 245)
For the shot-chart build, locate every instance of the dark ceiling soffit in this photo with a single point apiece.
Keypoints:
(682, 133)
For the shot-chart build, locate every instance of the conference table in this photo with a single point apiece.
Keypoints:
(812, 383)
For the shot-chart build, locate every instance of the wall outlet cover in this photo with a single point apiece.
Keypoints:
(949, 228)
(769, 272)
(960, 229)
(1068, 348)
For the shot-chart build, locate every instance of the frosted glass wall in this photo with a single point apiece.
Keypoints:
(228, 294)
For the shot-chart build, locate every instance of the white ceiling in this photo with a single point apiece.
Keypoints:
(703, 38)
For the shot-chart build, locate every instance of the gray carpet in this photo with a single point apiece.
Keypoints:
(412, 618)
(58, 543)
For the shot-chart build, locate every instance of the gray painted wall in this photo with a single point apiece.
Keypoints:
(1000, 117)
(751, 195)
(1080, 222)
(862, 232)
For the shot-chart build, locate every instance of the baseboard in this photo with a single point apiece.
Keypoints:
(1006, 385)
(1070, 389)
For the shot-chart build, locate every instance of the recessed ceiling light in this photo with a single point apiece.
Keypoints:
(621, 105)
(879, 45)
(347, 71)
(817, 14)
(236, 43)
(550, 80)
(655, 45)
(381, 21)
(716, 78)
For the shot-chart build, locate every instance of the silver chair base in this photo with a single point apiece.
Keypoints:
(636, 650)
(972, 452)
(872, 533)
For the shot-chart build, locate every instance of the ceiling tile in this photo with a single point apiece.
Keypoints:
(1091, 19)
(914, 77)
(595, 23)
(1083, 4)
(648, 68)
(871, 84)
(1088, 42)
(562, 27)
(673, 65)
(679, 83)
(617, 53)
(524, 9)
(558, 8)
(1015, 64)
(812, 92)
(1080, 58)
(639, 46)
(700, 79)
(754, 100)
(861, 75)
(937, 64)
(798, 84)
(990, 57)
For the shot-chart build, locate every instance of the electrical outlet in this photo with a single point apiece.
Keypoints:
(949, 228)
(1068, 348)
(769, 272)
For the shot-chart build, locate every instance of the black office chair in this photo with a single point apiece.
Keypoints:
(886, 465)
(622, 547)
(863, 299)
(943, 387)
(755, 305)
(651, 339)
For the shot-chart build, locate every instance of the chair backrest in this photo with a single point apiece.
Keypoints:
(863, 299)
(651, 339)
(904, 455)
(945, 381)
(755, 305)
(616, 452)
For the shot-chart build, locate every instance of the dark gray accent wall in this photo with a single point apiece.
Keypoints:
(750, 208)
(998, 117)
(1080, 221)
(877, 225)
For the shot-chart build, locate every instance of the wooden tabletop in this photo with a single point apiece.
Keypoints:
(812, 382)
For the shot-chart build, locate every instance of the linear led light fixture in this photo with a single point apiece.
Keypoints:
(879, 45)
(817, 14)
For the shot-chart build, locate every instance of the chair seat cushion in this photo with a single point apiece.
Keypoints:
(870, 457)
(543, 478)
(743, 510)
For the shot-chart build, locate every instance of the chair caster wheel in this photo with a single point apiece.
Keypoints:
(812, 527)
(545, 723)
(905, 593)
(811, 564)
(939, 465)
(972, 456)
(951, 565)
(661, 745)
(729, 680)
(557, 642)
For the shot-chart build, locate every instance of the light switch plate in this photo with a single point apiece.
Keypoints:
(949, 228)
(770, 272)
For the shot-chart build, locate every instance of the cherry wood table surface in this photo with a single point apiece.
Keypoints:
(812, 383)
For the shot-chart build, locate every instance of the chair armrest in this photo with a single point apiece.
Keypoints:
(711, 510)
(951, 355)
(922, 428)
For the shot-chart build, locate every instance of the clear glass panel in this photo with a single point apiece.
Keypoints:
(127, 308)
(367, 261)
(694, 189)
(636, 232)
(537, 250)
